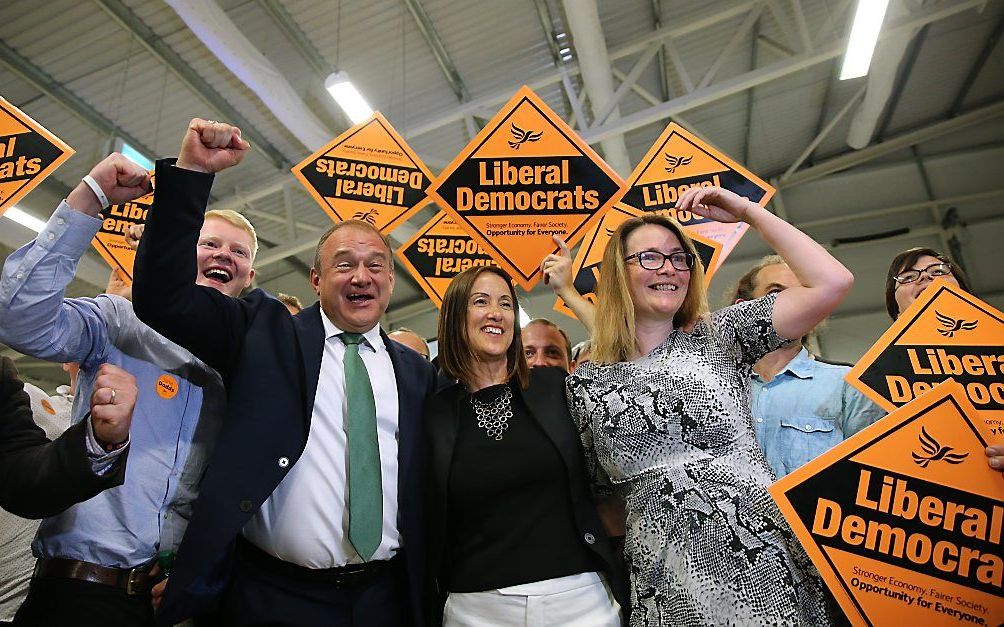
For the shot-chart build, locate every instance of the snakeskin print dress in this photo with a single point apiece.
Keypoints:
(673, 433)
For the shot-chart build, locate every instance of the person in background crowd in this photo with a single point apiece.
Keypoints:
(52, 414)
(281, 533)
(42, 473)
(514, 537)
(412, 340)
(581, 354)
(909, 274)
(663, 411)
(546, 344)
(912, 271)
(96, 558)
(291, 302)
(801, 404)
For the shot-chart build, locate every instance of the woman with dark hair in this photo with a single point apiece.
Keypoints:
(514, 537)
(912, 271)
(664, 413)
(909, 274)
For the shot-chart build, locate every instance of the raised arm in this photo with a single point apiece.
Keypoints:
(34, 316)
(824, 281)
(557, 271)
(165, 296)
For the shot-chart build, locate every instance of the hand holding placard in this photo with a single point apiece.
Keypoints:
(211, 146)
(120, 179)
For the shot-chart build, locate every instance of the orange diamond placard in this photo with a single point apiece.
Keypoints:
(28, 154)
(679, 160)
(438, 252)
(525, 177)
(589, 258)
(945, 333)
(110, 240)
(367, 173)
(904, 519)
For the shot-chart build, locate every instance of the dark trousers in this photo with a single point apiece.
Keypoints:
(56, 601)
(264, 593)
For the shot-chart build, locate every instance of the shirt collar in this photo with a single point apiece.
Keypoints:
(802, 365)
(372, 337)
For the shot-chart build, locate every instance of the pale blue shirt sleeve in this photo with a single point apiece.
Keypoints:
(859, 411)
(37, 320)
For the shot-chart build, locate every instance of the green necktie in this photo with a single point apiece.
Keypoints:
(365, 493)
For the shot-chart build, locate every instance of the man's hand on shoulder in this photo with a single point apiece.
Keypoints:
(112, 404)
(120, 179)
(211, 146)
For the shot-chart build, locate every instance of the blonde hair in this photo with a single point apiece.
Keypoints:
(614, 333)
(236, 219)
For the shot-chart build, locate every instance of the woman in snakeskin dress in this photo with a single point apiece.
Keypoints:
(664, 415)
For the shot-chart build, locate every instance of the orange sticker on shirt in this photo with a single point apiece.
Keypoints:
(167, 386)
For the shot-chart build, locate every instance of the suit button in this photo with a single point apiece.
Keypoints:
(589, 538)
(283, 462)
(246, 506)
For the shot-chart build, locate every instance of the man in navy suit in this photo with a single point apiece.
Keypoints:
(283, 531)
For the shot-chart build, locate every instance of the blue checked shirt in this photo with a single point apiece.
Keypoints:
(176, 417)
(806, 410)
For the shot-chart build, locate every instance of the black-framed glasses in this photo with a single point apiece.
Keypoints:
(654, 260)
(932, 271)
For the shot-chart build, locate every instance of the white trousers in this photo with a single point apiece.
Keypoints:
(583, 600)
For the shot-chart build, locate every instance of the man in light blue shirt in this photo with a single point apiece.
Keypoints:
(801, 404)
(95, 558)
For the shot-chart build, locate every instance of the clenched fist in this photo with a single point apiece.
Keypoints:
(112, 402)
(119, 178)
(211, 146)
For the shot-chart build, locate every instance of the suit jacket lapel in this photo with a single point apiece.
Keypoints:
(547, 411)
(407, 412)
(311, 337)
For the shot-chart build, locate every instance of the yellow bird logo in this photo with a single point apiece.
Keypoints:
(522, 136)
(366, 216)
(935, 451)
(676, 162)
(951, 325)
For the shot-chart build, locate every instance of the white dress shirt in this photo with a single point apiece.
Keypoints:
(306, 519)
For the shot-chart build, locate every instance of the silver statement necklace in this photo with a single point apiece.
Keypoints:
(494, 416)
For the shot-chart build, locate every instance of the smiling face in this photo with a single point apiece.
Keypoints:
(490, 318)
(544, 345)
(656, 294)
(224, 257)
(354, 278)
(907, 293)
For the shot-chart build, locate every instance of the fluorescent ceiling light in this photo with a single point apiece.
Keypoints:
(524, 318)
(25, 219)
(864, 34)
(347, 96)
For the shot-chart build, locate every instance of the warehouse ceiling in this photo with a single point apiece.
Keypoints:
(757, 79)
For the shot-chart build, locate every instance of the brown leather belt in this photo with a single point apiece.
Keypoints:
(135, 581)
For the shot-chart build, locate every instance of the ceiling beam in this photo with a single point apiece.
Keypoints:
(156, 46)
(65, 98)
(554, 76)
(899, 142)
(583, 19)
(977, 67)
(903, 74)
(765, 74)
(432, 38)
